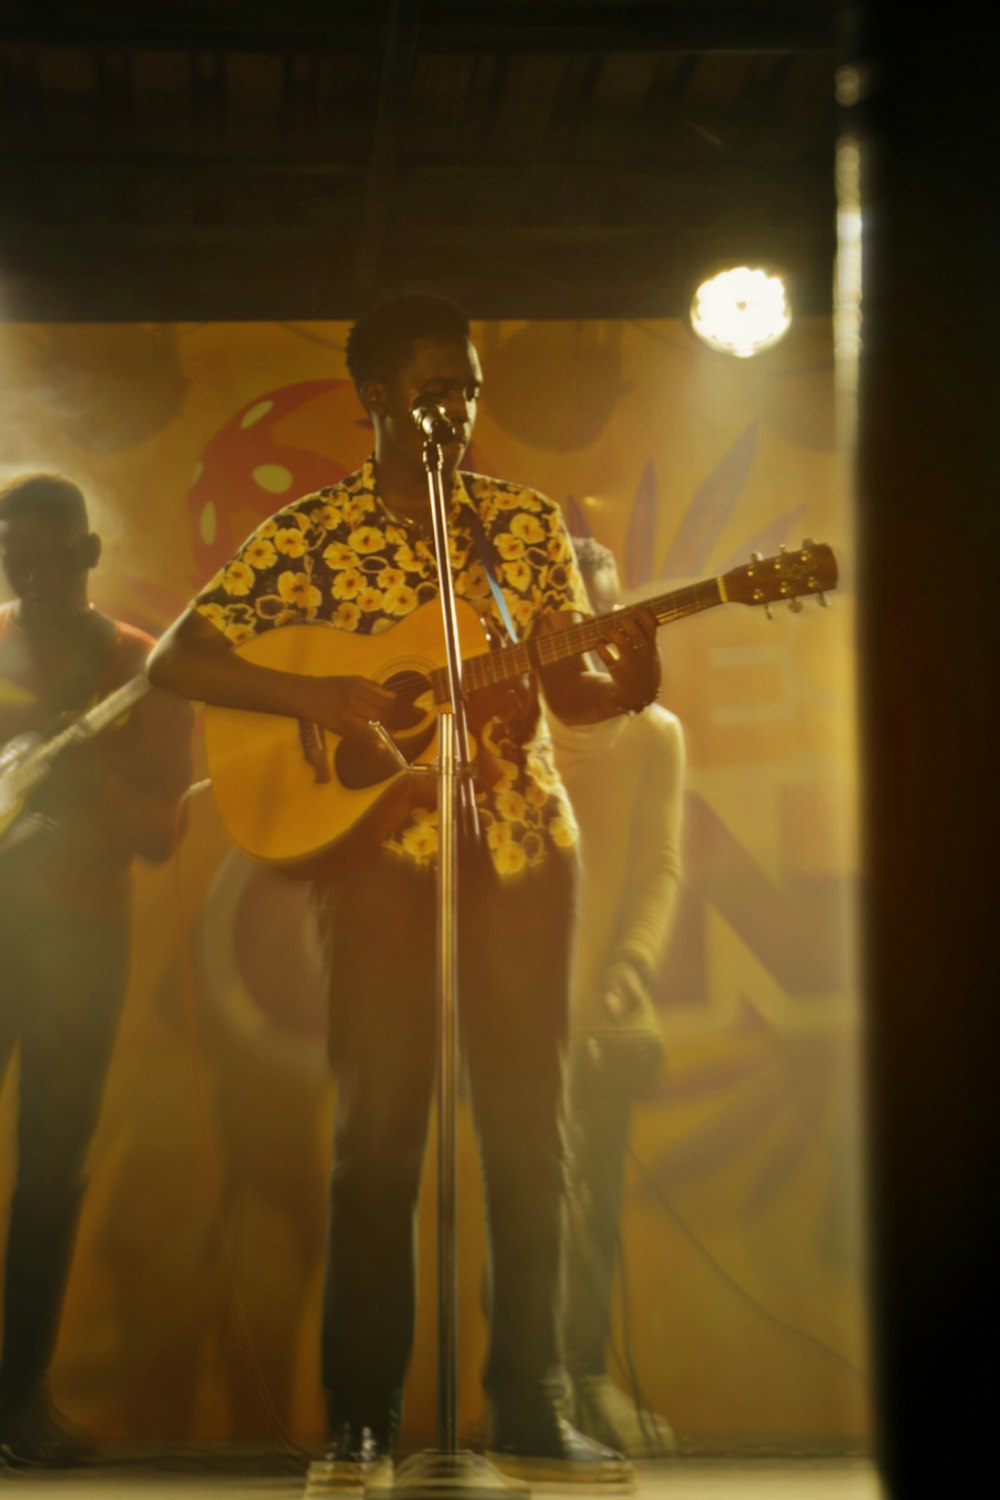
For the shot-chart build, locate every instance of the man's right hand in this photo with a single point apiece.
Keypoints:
(194, 659)
(348, 705)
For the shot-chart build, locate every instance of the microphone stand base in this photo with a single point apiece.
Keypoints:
(462, 1475)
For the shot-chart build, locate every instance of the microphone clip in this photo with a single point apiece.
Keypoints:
(431, 418)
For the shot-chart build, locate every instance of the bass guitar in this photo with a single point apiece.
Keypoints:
(288, 790)
(26, 761)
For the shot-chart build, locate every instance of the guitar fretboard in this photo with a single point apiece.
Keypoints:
(492, 667)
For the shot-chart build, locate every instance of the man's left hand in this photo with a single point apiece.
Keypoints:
(628, 651)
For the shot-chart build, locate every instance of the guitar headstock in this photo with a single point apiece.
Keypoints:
(789, 574)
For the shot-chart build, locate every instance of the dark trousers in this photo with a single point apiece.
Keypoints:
(63, 977)
(514, 941)
(600, 1117)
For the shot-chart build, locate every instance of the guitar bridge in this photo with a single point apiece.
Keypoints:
(313, 741)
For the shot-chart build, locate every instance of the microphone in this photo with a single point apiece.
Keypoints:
(430, 417)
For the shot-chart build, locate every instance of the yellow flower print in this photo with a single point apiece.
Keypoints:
(471, 584)
(535, 796)
(517, 574)
(327, 516)
(498, 835)
(290, 541)
(259, 553)
(562, 832)
(215, 614)
(558, 547)
(509, 859)
(237, 578)
(510, 547)
(510, 805)
(238, 633)
(541, 770)
(394, 535)
(337, 555)
(406, 558)
(298, 589)
(387, 578)
(557, 579)
(270, 607)
(528, 528)
(348, 584)
(367, 539)
(346, 616)
(399, 600)
(524, 612)
(381, 625)
(266, 529)
(533, 847)
(420, 840)
(507, 773)
(370, 599)
(355, 512)
(507, 500)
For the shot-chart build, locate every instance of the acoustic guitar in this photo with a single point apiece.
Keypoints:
(288, 790)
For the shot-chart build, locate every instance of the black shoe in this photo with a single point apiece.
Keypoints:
(547, 1449)
(34, 1433)
(357, 1457)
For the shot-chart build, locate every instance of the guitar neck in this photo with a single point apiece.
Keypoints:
(36, 767)
(492, 667)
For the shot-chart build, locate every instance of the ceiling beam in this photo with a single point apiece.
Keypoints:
(445, 27)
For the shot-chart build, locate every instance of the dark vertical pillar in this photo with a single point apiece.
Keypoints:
(929, 498)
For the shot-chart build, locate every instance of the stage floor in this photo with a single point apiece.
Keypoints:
(683, 1479)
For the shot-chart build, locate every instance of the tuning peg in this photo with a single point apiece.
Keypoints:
(795, 605)
(767, 611)
(757, 557)
(823, 601)
(807, 541)
(783, 548)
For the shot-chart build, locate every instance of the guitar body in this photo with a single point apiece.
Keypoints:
(13, 755)
(268, 771)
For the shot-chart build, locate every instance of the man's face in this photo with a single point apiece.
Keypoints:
(448, 371)
(47, 563)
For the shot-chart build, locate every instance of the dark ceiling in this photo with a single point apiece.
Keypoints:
(232, 159)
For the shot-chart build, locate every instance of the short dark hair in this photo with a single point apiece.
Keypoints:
(48, 496)
(593, 559)
(382, 338)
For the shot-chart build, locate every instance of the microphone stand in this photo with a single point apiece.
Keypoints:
(447, 1472)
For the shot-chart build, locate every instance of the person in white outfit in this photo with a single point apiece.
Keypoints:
(625, 780)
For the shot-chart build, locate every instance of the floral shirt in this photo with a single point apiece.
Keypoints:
(340, 557)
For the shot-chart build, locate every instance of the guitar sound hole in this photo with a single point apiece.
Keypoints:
(413, 728)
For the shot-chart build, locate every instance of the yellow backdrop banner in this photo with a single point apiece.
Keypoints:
(193, 1310)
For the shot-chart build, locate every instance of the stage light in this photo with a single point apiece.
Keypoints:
(741, 311)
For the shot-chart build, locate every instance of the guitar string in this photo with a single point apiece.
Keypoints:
(493, 667)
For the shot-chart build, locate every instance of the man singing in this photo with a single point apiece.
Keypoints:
(359, 557)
